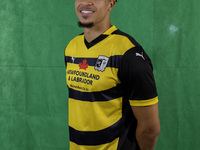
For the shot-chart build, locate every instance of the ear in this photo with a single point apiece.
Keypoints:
(111, 4)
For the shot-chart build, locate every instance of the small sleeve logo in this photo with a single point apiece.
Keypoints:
(140, 55)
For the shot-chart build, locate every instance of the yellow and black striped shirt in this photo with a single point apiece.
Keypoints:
(105, 78)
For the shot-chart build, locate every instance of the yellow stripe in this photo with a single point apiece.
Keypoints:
(77, 48)
(94, 116)
(109, 146)
(144, 102)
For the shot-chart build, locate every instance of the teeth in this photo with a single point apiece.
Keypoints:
(87, 12)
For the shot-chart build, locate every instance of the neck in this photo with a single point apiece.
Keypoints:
(95, 31)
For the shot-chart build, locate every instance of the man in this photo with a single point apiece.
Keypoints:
(112, 93)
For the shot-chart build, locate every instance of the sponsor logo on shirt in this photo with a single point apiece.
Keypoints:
(83, 65)
(82, 77)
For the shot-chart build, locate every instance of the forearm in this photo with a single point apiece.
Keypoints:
(146, 138)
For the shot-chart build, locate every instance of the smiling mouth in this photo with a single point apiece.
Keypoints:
(87, 12)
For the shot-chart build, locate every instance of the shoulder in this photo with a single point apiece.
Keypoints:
(125, 36)
(134, 54)
(123, 42)
(136, 61)
(74, 41)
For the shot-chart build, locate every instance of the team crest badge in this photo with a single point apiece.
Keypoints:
(101, 63)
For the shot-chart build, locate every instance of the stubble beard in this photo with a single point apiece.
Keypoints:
(85, 25)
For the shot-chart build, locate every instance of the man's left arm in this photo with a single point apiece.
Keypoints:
(148, 127)
(136, 76)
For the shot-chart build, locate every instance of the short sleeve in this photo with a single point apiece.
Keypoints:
(136, 76)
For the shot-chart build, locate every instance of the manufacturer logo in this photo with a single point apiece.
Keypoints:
(101, 63)
(140, 55)
(73, 59)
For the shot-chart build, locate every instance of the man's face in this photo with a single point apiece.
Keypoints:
(93, 11)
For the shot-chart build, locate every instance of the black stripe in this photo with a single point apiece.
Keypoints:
(113, 61)
(90, 61)
(67, 59)
(106, 95)
(95, 137)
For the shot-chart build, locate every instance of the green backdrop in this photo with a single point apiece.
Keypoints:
(33, 92)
